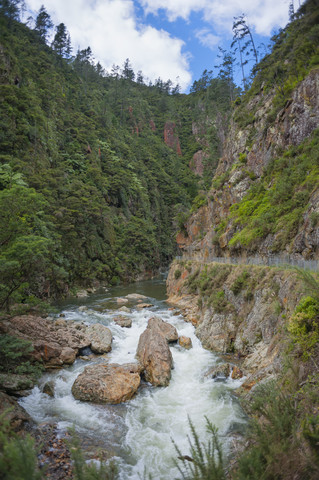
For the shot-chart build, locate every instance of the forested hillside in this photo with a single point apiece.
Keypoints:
(95, 166)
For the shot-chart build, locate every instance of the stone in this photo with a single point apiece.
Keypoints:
(168, 330)
(154, 355)
(52, 346)
(135, 296)
(60, 322)
(236, 373)
(222, 370)
(124, 309)
(100, 338)
(12, 383)
(48, 388)
(14, 414)
(121, 301)
(144, 305)
(111, 383)
(82, 293)
(185, 342)
(122, 321)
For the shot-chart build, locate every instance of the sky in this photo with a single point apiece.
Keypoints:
(171, 39)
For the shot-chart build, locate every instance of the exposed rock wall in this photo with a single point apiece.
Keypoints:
(256, 144)
(237, 309)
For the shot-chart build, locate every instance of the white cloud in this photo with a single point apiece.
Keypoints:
(263, 15)
(207, 38)
(113, 32)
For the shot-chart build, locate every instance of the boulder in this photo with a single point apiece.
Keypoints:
(135, 296)
(122, 321)
(53, 345)
(14, 414)
(121, 301)
(48, 388)
(124, 309)
(111, 383)
(185, 342)
(168, 330)
(144, 305)
(14, 384)
(154, 355)
(100, 338)
(236, 373)
(222, 370)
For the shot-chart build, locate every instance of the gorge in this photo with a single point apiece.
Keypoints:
(103, 181)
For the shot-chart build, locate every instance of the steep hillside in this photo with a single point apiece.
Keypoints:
(264, 197)
(95, 168)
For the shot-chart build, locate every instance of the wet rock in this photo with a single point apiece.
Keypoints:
(185, 342)
(121, 301)
(83, 308)
(111, 383)
(122, 321)
(82, 293)
(236, 373)
(48, 388)
(124, 309)
(100, 338)
(168, 330)
(52, 346)
(221, 370)
(154, 355)
(14, 414)
(60, 322)
(13, 384)
(144, 305)
(135, 296)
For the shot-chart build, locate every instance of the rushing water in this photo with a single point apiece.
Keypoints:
(139, 433)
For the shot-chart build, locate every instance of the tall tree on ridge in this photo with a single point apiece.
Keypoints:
(43, 23)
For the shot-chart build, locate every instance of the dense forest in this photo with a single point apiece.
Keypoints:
(95, 167)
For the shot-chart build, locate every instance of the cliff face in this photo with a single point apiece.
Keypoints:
(258, 135)
(237, 309)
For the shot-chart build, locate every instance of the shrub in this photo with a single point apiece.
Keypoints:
(239, 283)
(304, 326)
(177, 274)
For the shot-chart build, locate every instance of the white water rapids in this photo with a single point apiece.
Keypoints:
(139, 433)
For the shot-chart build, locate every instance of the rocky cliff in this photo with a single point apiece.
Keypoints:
(238, 310)
(264, 142)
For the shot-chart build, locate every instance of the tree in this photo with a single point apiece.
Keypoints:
(226, 69)
(62, 42)
(128, 72)
(242, 36)
(11, 8)
(43, 23)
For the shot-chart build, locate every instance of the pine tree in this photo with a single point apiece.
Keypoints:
(43, 23)
(61, 42)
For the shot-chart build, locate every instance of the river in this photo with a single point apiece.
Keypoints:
(138, 434)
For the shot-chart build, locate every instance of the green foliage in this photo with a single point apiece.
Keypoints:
(304, 326)
(90, 470)
(198, 202)
(14, 354)
(206, 459)
(240, 282)
(276, 203)
(18, 456)
(177, 274)
(218, 301)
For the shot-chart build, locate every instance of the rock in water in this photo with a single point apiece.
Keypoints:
(168, 330)
(122, 321)
(100, 337)
(111, 383)
(154, 355)
(185, 342)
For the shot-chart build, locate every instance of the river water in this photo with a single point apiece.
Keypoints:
(138, 434)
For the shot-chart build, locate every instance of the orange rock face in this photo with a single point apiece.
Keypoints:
(170, 138)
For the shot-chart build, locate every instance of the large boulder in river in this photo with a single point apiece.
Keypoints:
(185, 342)
(54, 344)
(100, 337)
(168, 330)
(110, 383)
(154, 354)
